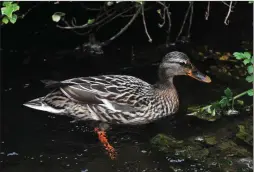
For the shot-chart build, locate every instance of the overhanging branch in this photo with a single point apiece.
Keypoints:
(124, 28)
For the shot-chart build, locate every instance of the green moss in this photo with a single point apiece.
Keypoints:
(245, 133)
(229, 148)
(210, 140)
(166, 143)
(179, 148)
(192, 152)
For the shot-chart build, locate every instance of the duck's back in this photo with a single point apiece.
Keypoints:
(107, 98)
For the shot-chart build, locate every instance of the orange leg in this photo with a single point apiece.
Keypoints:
(103, 139)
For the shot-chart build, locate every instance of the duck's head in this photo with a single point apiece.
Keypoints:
(177, 63)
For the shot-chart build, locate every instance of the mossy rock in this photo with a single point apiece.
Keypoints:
(245, 132)
(166, 143)
(178, 148)
(210, 140)
(228, 164)
(192, 152)
(229, 148)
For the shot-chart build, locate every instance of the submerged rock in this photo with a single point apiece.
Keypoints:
(192, 152)
(210, 140)
(166, 143)
(245, 132)
(179, 148)
(230, 148)
(230, 164)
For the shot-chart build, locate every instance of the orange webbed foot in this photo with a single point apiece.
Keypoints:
(103, 139)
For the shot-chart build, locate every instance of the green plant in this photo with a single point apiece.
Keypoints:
(248, 61)
(8, 10)
(227, 100)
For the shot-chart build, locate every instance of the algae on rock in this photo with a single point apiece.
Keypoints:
(230, 148)
(166, 143)
(245, 133)
(210, 140)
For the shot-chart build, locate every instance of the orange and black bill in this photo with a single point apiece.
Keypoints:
(199, 76)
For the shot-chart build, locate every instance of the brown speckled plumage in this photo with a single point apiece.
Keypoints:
(117, 99)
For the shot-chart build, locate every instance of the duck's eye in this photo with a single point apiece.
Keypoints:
(182, 63)
(186, 65)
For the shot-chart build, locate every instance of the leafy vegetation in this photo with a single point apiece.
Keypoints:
(213, 111)
(8, 12)
(248, 61)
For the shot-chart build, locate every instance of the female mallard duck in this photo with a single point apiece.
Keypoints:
(119, 99)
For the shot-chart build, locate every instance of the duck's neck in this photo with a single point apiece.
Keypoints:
(165, 83)
(166, 90)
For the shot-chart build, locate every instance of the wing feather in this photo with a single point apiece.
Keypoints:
(112, 91)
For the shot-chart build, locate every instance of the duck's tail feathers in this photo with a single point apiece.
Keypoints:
(38, 104)
(51, 83)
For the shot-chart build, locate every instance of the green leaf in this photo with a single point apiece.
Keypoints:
(6, 11)
(213, 112)
(250, 92)
(249, 78)
(209, 110)
(246, 61)
(56, 17)
(13, 19)
(252, 60)
(228, 93)
(247, 55)
(15, 7)
(223, 102)
(238, 55)
(240, 102)
(5, 20)
(7, 3)
(9, 9)
(250, 69)
(90, 21)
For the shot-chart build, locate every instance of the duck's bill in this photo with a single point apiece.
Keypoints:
(199, 76)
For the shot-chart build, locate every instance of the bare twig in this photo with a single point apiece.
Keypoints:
(190, 22)
(207, 13)
(98, 20)
(144, 22)
(225, 3)
(85, 25)
(226, 21)
(233, 5)
(169, 26)
(186, 15)
(118, 15)
(89, 9)
(169, 20)
(78, 33)
(124, 28)
(103, 13)
(163, 18)
(130, 15)
(29, 10)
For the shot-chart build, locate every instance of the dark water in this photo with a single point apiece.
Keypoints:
(38, 141)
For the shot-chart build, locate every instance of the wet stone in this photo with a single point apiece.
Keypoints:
(166, 143)
(245, 132)
(230, 148)
(210, 140)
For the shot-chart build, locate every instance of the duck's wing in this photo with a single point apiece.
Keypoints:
(115, 92)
